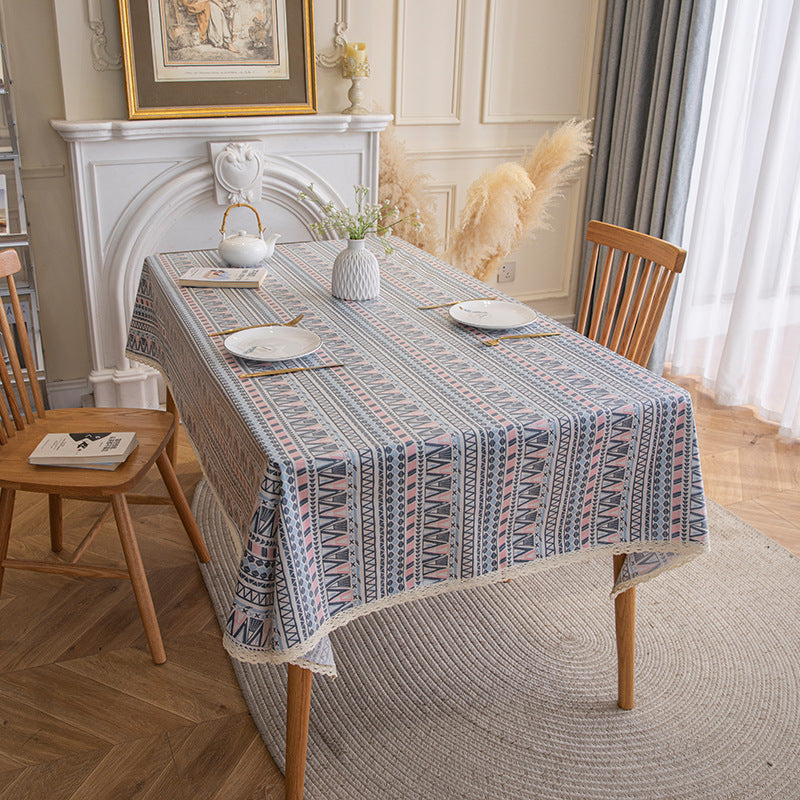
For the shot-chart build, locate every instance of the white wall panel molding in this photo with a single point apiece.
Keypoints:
(444, 198)
(332, 57)
(537, 72)
(469, 153)
(102, 58)
(557, 265)
(429, 68)
(43, 171)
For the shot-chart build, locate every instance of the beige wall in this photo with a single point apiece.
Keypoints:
(472, 83)
(29, 31)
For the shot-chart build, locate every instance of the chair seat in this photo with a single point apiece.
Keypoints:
(152, 430)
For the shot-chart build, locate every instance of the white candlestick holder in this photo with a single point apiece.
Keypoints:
(355, 94)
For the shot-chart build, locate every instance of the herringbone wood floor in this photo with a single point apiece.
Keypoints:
(84, 714)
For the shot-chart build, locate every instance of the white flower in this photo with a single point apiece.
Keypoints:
(357, 224)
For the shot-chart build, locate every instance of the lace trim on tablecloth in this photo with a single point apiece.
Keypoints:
(299, 654)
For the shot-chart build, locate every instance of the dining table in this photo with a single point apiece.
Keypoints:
(390, 449)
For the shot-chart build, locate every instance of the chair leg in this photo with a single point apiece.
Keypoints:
(298, 706)
(56, 523)
(625, 620)
(6, 512)
(172, 444)
(182, 507)
(141, 589)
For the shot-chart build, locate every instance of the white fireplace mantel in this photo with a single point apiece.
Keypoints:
(144, 186)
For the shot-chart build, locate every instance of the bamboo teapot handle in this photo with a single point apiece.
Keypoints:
(261, 228)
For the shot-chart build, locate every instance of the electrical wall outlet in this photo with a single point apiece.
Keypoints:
(507, 272)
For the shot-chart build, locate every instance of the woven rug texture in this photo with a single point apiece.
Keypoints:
(509, 691)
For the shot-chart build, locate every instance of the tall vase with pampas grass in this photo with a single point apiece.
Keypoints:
(507, 204)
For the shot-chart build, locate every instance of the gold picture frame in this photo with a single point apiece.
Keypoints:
(218, 58)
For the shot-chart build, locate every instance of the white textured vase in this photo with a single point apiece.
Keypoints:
(356, 274)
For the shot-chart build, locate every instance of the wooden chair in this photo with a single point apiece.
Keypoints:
(621, 309)
(623, 304)
(23, 423)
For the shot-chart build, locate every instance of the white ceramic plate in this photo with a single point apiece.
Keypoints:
(492, 314)
(273, 343)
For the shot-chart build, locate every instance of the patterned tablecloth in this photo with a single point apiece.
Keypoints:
(428, 463)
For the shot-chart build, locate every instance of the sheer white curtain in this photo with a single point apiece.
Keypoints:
(737, 318)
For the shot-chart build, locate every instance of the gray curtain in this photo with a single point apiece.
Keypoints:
(648, 111)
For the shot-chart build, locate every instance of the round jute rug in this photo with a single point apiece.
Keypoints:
(508, 691)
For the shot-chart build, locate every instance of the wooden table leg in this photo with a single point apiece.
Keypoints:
(625, 619)
(298, 706)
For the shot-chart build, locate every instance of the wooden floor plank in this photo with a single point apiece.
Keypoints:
(168, 786)
(222, 757)
(130, 770)
(760, 515)
(188, 693)
(722, 477)
(255, 778)
(51, 780)
(9, 765)
(40, 625)
(203, 647)
(788, 466)
(786, 505)
(758, 471)
(183, 605)
(89, 705)
(31, 735)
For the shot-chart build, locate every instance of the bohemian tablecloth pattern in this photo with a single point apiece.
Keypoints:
(428, 462)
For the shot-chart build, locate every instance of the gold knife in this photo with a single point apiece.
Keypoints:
(495, 342)
(454, 303)
(288, 324)
(287, 370)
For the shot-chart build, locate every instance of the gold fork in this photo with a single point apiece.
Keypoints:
(495, 342)
(289, 324)
(287, 370)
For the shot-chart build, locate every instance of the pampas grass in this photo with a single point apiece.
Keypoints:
(554, 163)
(403, 188)
(489, 226)
(508, 204)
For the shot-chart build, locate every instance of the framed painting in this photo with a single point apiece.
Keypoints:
(218, 58)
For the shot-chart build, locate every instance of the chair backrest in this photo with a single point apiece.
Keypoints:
(623, 302)
(16, 409)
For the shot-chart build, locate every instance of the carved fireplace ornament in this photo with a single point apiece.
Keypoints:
(238, 168)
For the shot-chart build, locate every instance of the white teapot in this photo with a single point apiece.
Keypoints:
(243, 249)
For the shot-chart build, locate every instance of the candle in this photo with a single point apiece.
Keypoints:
(355, 64)
(357, 51)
